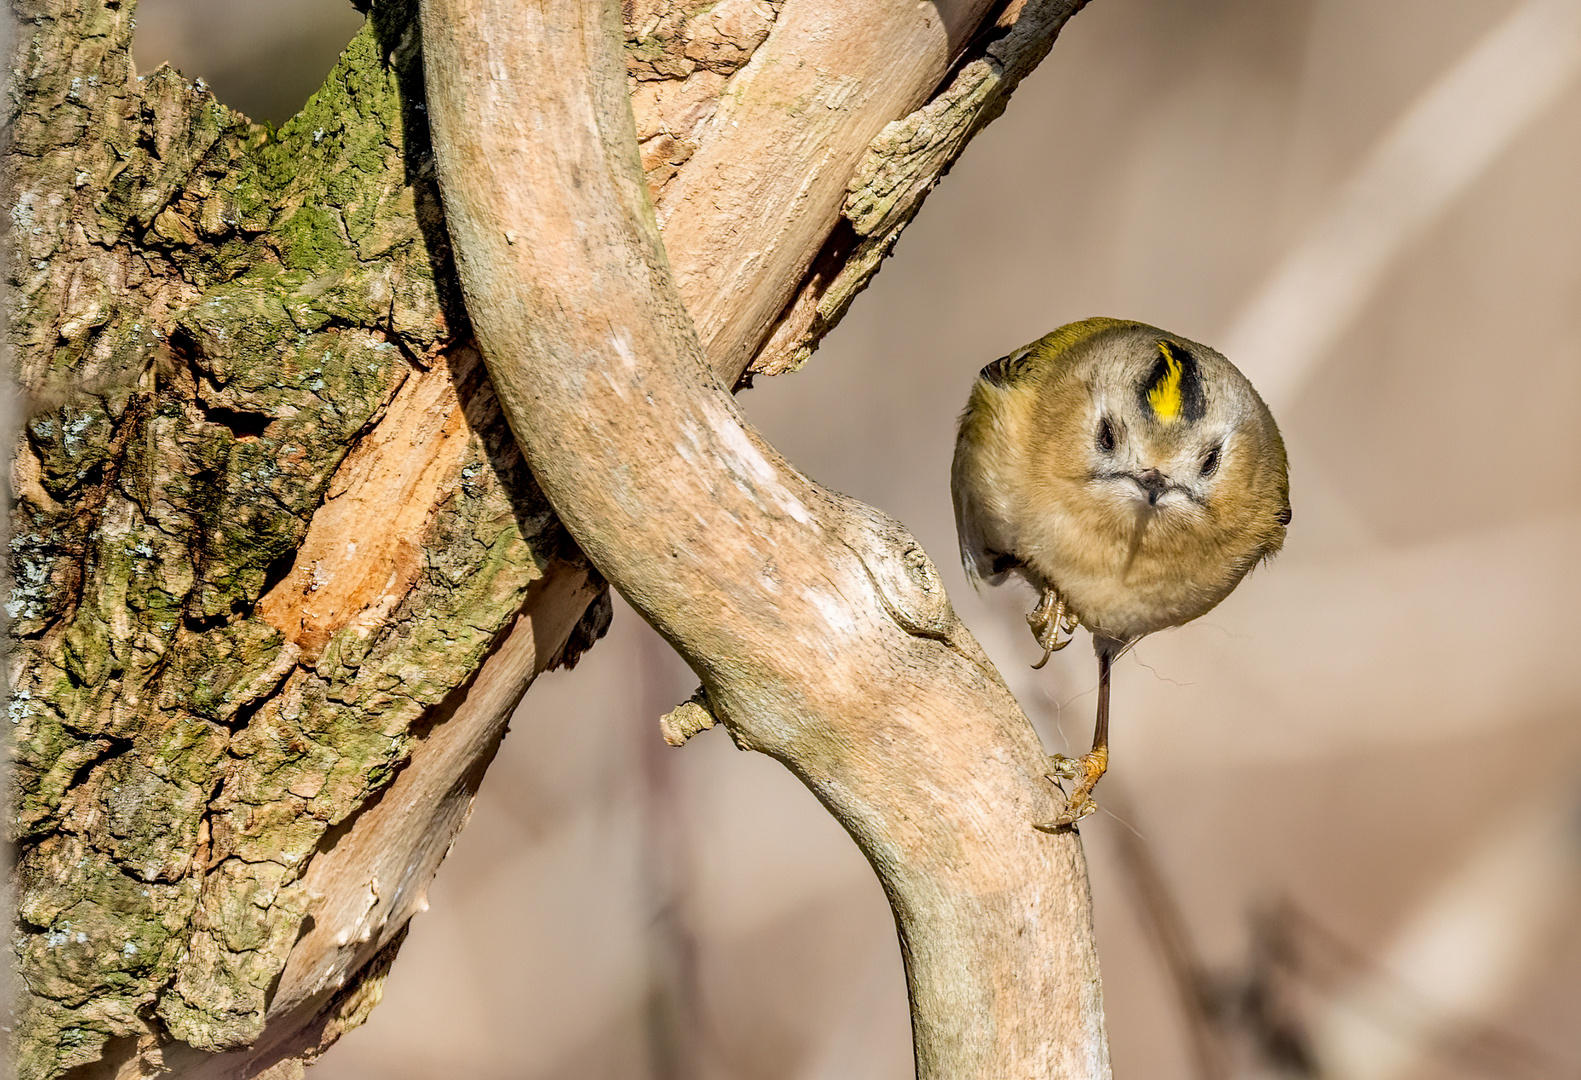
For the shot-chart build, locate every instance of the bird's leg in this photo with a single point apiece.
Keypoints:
(1047, 620)
(1088, 769)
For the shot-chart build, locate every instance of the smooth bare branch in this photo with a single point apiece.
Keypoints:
(818, 626)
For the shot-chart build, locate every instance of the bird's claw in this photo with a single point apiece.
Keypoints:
(1065, 768)
(1051, 618)
(1048, 620)
(1074, 811)
(1086, 771)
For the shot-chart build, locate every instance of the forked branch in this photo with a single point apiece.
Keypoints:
(818, 626)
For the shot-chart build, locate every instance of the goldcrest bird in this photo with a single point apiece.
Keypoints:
(1131, 476)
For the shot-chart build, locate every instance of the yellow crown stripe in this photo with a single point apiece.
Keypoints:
(1164, 397)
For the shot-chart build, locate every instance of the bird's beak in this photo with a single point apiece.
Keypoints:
(1153, 483)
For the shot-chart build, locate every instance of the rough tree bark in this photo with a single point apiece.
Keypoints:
(280, 574)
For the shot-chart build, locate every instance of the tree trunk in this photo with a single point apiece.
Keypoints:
(280, 573)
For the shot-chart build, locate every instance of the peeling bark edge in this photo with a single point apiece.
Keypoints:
(800, 616)
(901, 168)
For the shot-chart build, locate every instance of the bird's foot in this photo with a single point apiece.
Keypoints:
(1048, 620)
(1086, 771)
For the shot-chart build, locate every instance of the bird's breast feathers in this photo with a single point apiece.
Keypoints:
(1118, 583)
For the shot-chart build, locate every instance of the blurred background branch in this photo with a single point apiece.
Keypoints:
(1455, 129)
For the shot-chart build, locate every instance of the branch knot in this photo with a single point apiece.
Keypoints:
(907, 581)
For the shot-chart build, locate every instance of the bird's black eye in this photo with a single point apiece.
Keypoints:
(1105, 436)
(1210, 464)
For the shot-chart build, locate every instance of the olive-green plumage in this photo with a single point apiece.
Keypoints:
(1067, 473)
(1131, 476)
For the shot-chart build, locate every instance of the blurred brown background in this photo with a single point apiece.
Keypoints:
(1356, 785)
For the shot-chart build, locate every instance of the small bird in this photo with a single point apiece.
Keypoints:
(1131, 476)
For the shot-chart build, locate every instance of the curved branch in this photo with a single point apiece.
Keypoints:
(818, 626)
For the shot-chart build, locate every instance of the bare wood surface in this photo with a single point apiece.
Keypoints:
(818, 626)
(828, 156)
(785, 181)
(350, 702)
(749, 171)
(765, 185)
(901, 166)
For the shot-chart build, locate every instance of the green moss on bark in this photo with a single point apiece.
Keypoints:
(208, 318)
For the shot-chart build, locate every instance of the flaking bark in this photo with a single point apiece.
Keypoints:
(279, 572)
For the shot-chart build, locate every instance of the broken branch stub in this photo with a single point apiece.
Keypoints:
(818, 626)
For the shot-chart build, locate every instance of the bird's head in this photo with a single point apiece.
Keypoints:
(1177, 438)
